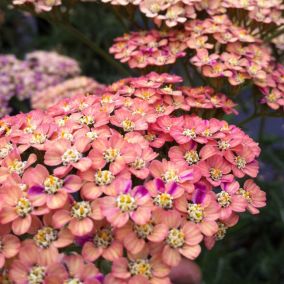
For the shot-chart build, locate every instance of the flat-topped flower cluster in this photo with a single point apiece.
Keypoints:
(133, 177)
(38, 71)
(218, 48)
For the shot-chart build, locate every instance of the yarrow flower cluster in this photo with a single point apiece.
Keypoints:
(132, 177)
(67, 89)
(222, 50)
(39, 70)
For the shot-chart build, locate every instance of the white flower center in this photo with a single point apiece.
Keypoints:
(104, 177)
(87, 120)
(45, 237)
(143, 231)
(175, 238)
(73, 281)
(36, 275)
(38, 138)
(81, 210)
(164, 200)
(103, 238)
(223, 145)
(17, 167)
(52, 184)
(5, 150)
(222, 230)
(170, 176)
(126, 203)
(128, 125)
(140, 267)
(224, 199)
(195, 212)
(23, 207)
(189, 133)
(191, 157)
(111, 154)
(92, 135)
(215, 174)
(240, 162)
(138, 164)
(71, 156)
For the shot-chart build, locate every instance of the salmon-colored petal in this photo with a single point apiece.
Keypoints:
(190, 252)
(21, 225)
(171, 256)
(81, 227)
(61, 218)
(90, 252)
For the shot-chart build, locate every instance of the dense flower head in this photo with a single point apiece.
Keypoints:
(38, 71)
(67, 89)
(133, 177)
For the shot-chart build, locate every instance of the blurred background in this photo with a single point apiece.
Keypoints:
(253, 251)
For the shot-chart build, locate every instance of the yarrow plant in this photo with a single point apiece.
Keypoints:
(119, 183)
(133, 177)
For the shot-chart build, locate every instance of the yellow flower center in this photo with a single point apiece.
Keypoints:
(191, 157)
(170, 176)
(175, 238)
(111, 154)
(240, 162)
(103, 238)
(23, 207)
(128, 125)
(17, 167)
(215, 174)
(224, 199)
(36, 275)
(71, 156)
(164, 200)
(189, 133)
(52, 184)
(104, 177)
(195, 212)
(45, 237)
(140, 267)
(126, 203)
(138, 164)
(143, 231)
(81, 210)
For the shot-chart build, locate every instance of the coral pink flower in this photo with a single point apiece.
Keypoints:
(223, 226)
(171, 172)
(63, 152)
(255, 197)
(19, 211)
(49, 240)
(127, 203)
(115, 151)
(243, 162)
(139, 269)
(188, 129)
(202, 58)
(140, 167)
(216, 69)
(135, 237)
(185, 154)
(166, 123)
(49, 189)
(78, 218)
(216, 170)
(30, 267)
(164, 196)
(80, 271)
(128, 121)
(202, 211)
(99, 182)
(10, 246)
(229, 201)
(102, 243)
(14, 166)
(182, 239)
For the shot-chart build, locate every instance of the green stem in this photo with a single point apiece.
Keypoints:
(95, 48)
(274, 35)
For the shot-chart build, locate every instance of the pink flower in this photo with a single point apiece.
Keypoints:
(81, 271)
(243, 162)
(127, 203)
(18, 210)
(171, 172)
(255, 197)
(71, 156)
(140, 269)
(115, 151)
(182, 239)
(30, 266)
(10, 246)
(216, 170)
(78, 217)
(49, 189)
(102, 243)
(229, 200)
(202, 211)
